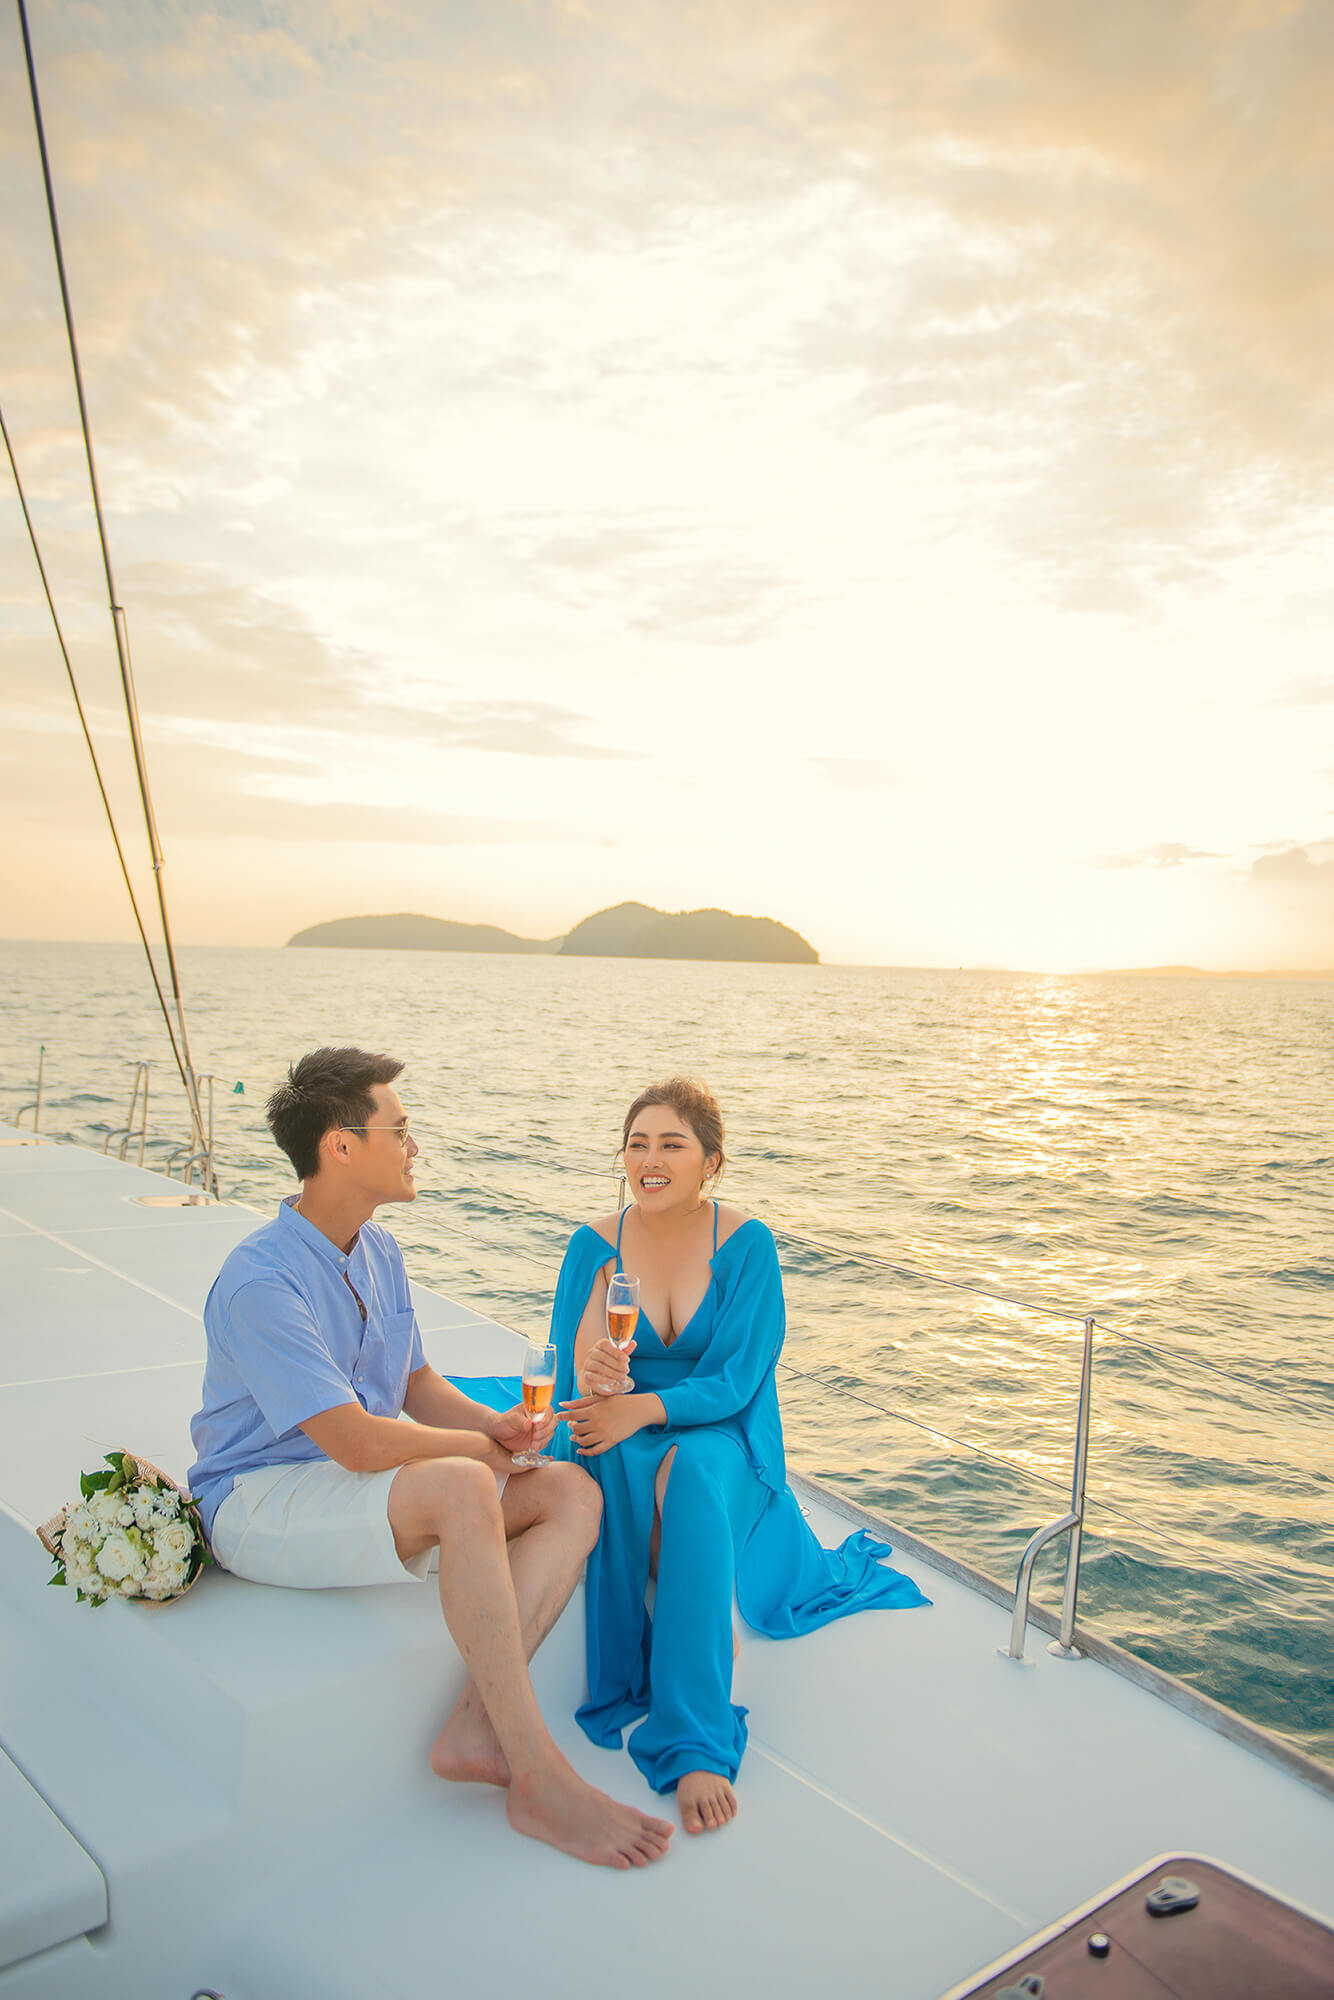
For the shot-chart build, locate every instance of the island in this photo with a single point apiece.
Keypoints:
(406, 932)
(627, 930)
(634, 930)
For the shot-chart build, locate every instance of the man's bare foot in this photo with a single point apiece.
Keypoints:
(466, 1749)
(570, 1815)
(706, 1800)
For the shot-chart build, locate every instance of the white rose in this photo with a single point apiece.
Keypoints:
(117, 1558)
(176, 1539)
(170, 1581)
(125, 1514)
(130, 1587)
(105, 1508)
(81, 1576)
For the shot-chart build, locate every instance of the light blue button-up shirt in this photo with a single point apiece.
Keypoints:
(286, 1342)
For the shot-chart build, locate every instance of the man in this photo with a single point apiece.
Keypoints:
(308, 1475)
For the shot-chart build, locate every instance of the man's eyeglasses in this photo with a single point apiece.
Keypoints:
(400, 1132)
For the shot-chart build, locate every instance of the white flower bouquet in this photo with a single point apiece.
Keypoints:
(132, 1533)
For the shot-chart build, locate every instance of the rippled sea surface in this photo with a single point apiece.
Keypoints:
(1155, 1152)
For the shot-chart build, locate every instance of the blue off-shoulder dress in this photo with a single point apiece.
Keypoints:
(729, 1519)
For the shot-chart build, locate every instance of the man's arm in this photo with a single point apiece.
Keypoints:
(359, 1442)
(433, 1400)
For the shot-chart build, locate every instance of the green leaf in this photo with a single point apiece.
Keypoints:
(59, 1577)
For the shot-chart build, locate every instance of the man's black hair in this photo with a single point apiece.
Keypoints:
(326, 1089)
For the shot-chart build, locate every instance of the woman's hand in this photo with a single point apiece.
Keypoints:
(603, 1370)
(597, 1423)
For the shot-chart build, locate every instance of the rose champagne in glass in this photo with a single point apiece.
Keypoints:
(622, 1319)
(539, 1386)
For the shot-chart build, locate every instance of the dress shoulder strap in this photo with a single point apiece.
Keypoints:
(620, 1224)
(715, 1229)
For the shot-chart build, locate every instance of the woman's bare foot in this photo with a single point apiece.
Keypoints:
(466, 1750)
(706, 1800)
(565, 1812)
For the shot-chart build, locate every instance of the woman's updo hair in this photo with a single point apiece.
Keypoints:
(691, 1102)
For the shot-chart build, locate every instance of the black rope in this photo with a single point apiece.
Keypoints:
(87, 737)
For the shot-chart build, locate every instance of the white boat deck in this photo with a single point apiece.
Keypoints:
(231, 1792)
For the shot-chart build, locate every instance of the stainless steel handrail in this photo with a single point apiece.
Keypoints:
(36, 1106)
(1071, 1523)
(124, 1133)
(191, 1156)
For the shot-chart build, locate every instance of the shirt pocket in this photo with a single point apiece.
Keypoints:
(398, 1331)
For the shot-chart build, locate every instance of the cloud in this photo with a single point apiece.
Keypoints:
(1167, 854)
(861, 774)
(1086, 247)
(1294, 868)
(1111, 276)
(1316, 691)
(203, 791)
(669, 576)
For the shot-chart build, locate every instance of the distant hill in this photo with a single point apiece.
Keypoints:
(406, 932)
(629, 930)
(635, 930)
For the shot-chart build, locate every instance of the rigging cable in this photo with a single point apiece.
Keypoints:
(87, 737)
(184, 1062)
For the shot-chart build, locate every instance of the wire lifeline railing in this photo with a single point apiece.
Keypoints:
(121, 635)
(919, 1275)
(1154, 1536)
(1070, 1523)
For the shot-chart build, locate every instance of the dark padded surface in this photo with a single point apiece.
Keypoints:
(1238, 1943)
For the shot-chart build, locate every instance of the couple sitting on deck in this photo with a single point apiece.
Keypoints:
(309, 1476)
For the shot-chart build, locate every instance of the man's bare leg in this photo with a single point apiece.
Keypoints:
(551, 1521)
(453, 1502)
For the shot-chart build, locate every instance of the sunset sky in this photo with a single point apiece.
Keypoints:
(865, 464)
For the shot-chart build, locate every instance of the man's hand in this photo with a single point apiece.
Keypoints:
(514, 1430)
(597, 1423)
(603, 1370)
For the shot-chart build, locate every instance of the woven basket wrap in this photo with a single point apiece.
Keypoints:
(47, 1532)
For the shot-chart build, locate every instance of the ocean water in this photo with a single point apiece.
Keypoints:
(958, 1166)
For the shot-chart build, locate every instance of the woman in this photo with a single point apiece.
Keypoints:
(690, 1461)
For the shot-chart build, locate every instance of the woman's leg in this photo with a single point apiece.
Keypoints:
(710, 1504)
(616, 1622)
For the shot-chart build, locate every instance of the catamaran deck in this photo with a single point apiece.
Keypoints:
(231, 1792)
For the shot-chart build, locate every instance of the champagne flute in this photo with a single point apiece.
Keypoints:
(539, 1386)
(622, 1319)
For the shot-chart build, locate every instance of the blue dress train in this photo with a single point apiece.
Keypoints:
(729, 1518)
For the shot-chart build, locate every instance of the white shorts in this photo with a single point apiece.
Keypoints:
(314, 1526)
